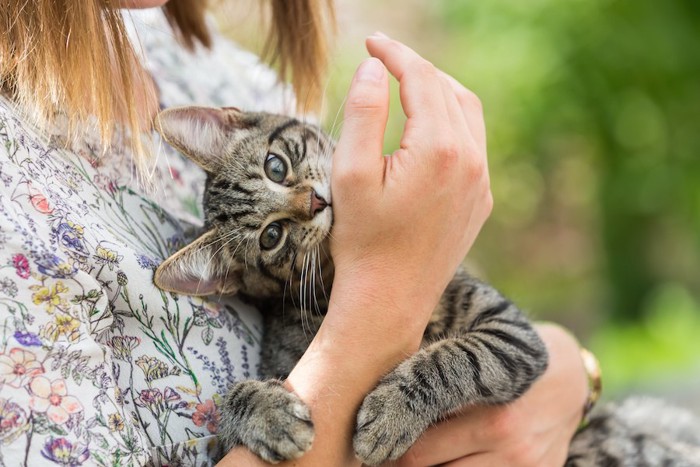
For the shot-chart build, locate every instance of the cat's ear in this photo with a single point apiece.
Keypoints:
(195, 270)
(201, 133)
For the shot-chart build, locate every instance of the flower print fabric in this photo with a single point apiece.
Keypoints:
(97, 366)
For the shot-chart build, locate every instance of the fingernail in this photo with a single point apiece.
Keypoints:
(378, 35)
(370, 70)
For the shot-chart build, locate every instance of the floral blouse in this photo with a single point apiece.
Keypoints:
(98, 366)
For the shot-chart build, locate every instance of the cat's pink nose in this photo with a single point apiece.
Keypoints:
(318, 204)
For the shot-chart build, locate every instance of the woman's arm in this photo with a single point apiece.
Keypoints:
(402, 225)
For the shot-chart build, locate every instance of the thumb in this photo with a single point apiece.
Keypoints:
(358, 157)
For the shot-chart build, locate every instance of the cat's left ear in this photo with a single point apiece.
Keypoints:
(197, 270)
(201, 133)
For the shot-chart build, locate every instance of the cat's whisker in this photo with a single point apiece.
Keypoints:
(320, 271)
(333, 131)
(304, 299)
(288, 282)
(317, 266)
(312, 282)
(309, 286)
(330, 235)
(301, 281)
(301, 284)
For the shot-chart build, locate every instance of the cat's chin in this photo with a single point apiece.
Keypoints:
(319, 230)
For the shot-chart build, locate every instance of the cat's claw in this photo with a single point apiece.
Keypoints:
(277, 426)
(385, 427)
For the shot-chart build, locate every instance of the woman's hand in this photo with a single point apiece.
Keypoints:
(404, 222)
(533, 431)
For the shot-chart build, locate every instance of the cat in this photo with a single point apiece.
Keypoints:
(268, 215)
(638, 432)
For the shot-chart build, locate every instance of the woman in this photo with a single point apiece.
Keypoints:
(99, 367)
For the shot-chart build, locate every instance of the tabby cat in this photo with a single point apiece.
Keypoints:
(268, 215)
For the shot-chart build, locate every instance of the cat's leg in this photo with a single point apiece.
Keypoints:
(263, 415)
(494, 358)
(266, 418)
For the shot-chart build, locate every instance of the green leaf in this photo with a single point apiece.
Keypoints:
(101, 440)
(200, 317)
(207, 335)
(40, 424)
(57, 429)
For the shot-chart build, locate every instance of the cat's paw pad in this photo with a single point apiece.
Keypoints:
(385, 426)
(269, 420)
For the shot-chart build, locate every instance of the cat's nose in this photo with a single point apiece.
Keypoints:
(318, 204)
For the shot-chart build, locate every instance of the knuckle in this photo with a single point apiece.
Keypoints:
(424, 67)
(470, 99)
(488, 202)
(449, 150)
(476, 171)
(361, 103)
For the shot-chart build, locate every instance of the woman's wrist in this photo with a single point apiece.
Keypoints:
(375, 323)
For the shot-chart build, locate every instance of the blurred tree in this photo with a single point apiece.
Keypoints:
(635, 70)
(593, 109)
(612, 85)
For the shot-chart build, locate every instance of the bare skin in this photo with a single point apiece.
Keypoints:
(379, 263)
(444, 139)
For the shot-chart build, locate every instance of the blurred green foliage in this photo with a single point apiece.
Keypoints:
(593, 115)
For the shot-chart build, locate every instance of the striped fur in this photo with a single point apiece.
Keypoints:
(638, 432)
(478, 347)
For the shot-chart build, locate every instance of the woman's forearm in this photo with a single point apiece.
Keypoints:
(393, 248)
(343, 363)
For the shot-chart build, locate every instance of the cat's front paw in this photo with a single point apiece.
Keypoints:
(266, 418)
(386, 426)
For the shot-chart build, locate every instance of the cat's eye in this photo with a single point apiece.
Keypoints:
(275, 168)
(271, 236)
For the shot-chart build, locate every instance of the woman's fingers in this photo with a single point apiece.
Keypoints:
(454, 110)
(476, 430)
(445, 442)
(366, 112)
(420, 89)
(419, 80)
(471, 109)
(485, 459)
(417, 76)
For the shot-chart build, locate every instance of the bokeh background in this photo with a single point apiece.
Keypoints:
(593, 116)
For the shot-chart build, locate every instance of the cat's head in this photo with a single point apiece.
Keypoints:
(266, 201)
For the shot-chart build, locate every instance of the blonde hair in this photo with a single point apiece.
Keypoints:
(56, 57)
